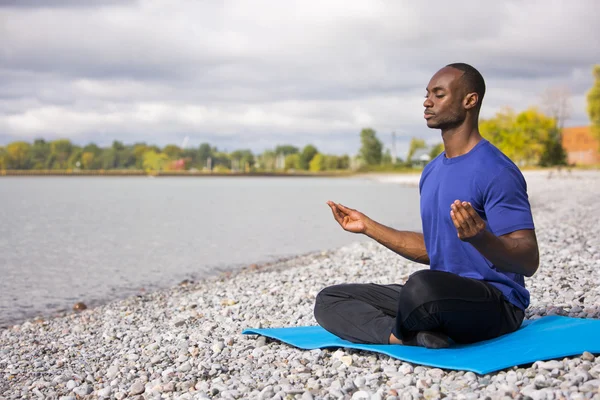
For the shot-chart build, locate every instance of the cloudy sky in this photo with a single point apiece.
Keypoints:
(257, 73)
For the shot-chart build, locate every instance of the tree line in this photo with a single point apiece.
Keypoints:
(529, 137)
(62, 154)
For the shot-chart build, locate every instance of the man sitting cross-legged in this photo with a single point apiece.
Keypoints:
(478, 239)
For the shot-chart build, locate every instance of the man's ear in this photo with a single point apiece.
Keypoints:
(471, 100)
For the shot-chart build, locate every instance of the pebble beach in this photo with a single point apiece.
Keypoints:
(186, 342)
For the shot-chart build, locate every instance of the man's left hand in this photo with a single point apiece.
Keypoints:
(469, 225)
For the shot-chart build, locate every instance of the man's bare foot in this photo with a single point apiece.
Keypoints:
(430, 340)
(394, 339)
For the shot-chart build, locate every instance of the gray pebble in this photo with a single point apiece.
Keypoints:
(587, 356)
(431, 394)
(267, 392)
(156, 359)
(307, 396)
(83, 390)
(360, 381)
(168, 387)
(550, 365)
(137, 388)
(185, 367)
(112, 371)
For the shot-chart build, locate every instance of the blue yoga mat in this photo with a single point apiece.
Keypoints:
(542, 339)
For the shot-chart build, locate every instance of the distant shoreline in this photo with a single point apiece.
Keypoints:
(162, 174)
(401, 176)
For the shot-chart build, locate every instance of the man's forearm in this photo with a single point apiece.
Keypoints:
(410, 245)
(508, 254)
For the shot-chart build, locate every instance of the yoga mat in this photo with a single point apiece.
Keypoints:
(537, 340)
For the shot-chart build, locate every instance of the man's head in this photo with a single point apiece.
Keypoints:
(454, 94)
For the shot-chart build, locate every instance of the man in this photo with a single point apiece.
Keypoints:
(478, 238)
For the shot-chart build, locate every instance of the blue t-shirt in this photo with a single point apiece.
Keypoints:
(495, 187)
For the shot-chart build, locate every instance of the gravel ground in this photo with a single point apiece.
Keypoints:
(185, 342)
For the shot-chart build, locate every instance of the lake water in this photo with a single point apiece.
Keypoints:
(94, 239)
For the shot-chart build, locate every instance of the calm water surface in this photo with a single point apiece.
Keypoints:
(94, 239)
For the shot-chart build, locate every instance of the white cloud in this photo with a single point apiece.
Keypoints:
(255, 74)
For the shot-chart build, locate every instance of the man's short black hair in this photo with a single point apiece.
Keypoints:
(473, 80)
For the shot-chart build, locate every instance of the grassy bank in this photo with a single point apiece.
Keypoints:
(169, 173)
(340, 173)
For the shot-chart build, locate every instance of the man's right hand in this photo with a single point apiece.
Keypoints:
(349, 219)
(409, 245)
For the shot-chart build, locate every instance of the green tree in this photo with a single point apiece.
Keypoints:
(593, 103)
(522, 137)
(266, 160)
(75, 157)
(436, 150)
(317, 163)
(205, 151)
(118, 156)
(553, 153)
(344, 162)
(415, 144)
(221, 159)
(109, 158)
(286, 150)
(172, 151)
(244, 158)
(331, 162)
(535, 128)
(308, 152)
(91, 156)
(40, 152)
(18, 156)
(60, 151)
(371, 147)
(92, 148)
(139, 149)
(3, 158)
(126, 158)
(386, 159)
(154, 161)
(498, 129)
(117, 145)
(87, 160)
(191, 156)
(292, 161)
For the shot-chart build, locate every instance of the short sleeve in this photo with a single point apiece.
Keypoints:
(506, 203)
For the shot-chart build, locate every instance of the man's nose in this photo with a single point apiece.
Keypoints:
(428, 103)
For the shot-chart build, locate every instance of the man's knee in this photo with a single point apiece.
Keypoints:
(328, 297)
(322, 301)
(335, 293)
(326, 293)
(420, 288)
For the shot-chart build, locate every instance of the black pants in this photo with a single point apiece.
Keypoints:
(466, 310)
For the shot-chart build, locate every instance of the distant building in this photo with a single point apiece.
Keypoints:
(421, 157)
(581, 146)
(177, 165)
